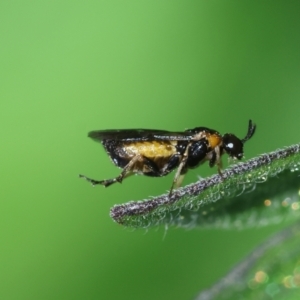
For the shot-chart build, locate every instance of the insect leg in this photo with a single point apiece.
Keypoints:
(180, 171)
(106, 183)
(213, 158)
(126, 171)
(92, 181)
(216, 159)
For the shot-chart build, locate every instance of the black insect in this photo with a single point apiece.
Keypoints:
(158, 152)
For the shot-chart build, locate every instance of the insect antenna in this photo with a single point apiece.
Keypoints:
(251, 130)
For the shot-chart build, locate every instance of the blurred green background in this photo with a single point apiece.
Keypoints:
(68, 67)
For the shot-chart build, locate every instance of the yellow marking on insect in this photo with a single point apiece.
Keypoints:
(214, 140)
(151, 149)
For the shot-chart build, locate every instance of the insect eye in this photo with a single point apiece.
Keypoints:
(233, 146)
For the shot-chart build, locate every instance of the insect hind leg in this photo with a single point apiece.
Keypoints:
(126, 172)
(105, 183)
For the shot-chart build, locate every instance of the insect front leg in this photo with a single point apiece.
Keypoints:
(125, 172)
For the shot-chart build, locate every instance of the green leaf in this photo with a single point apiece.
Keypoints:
(261, 191)
(271, 271)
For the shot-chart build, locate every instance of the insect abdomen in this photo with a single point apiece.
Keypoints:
(121, 153)
(150, 149)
